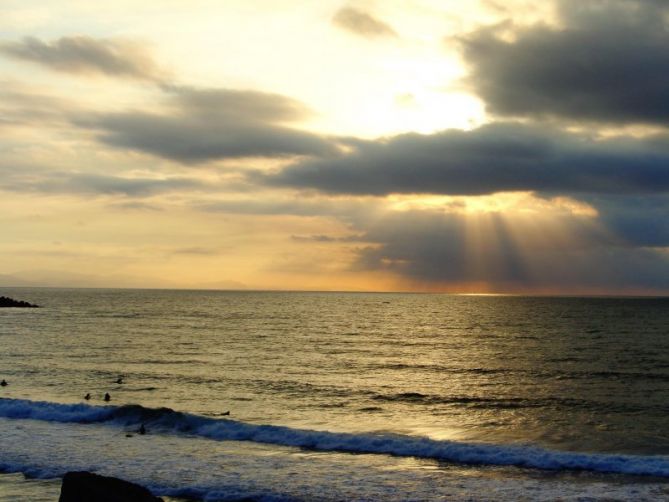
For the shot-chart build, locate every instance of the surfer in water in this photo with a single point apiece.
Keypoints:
(4, 383)
(87, 397)
(107, 397)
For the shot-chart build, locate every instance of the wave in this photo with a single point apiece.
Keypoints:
(168, 421)
(219, 492)
(560, 374)
(499, 403)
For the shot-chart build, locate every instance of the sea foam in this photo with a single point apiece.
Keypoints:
(168, 421)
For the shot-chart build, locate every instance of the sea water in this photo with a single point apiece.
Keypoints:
(337, 396)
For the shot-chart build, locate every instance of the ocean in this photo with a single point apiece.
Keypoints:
(300, 396)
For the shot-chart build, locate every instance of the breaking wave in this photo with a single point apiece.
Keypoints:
(168, 421)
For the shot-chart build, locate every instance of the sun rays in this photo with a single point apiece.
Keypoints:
(506, 242)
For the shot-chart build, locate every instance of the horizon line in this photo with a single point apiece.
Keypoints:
(403, 292)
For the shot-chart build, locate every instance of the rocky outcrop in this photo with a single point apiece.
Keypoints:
(10, 302)
(88, 487)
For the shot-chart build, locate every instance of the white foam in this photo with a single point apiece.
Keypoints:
(397, 445)
(228, 470)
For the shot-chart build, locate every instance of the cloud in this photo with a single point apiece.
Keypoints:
(23, 106)
(325, 238)
(38, 179)
(436, 250)
(637, 220)
(540, 249)
(361, 23)
(346, 209)
(134, 205)
(201, 125)
(493, 158)
(86, 55)
(198, 251)
(607, 61)
(115, 185)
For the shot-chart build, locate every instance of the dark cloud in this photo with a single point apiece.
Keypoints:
(557, 251)
(607, 61)
(494, 158)
(637, 220)
(232, 104)
(86, 55)
(201, 125)
(436, 250)
(361, 23)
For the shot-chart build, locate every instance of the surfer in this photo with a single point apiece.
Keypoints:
(4, 383)
(119, 380)
(87, 397)
(107, 397)
(142, 430)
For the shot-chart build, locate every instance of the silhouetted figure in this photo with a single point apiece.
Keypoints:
(107, 397)
(119, 380)
(87, 396)
(142, 430)
(4, 383)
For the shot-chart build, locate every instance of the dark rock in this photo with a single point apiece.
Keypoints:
(10, 302)
(88, 487)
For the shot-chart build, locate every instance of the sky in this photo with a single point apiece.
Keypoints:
(376, 145)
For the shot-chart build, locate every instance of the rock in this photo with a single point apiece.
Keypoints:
(10, 302)
(88, 487)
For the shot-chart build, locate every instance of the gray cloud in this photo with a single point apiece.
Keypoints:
(208, 124)
(349, 210)
(325, 238)
(20, 106)
(114, 185)
(38, 179)
(134, 205)
(608, 61)
(86, 55)
(494, 158)
(436, 249)
(361, 23)
(637, 220)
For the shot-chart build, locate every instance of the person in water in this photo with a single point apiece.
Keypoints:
(119, 380)
(4, 383)
(107, 397)
(142, 430)
(87, 396)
